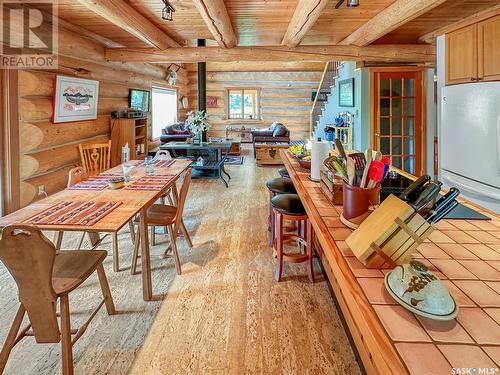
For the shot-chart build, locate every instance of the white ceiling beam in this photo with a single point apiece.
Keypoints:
(389, 19)
(215, 15)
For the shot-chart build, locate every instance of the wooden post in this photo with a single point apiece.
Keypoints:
(202, 86)
(10, 179)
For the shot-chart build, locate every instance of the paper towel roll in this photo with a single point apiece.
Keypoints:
(319, 152)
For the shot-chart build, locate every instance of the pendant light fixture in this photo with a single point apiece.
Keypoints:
(350, 3)
(167, 12)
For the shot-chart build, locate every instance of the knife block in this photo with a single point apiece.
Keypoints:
(390, 235)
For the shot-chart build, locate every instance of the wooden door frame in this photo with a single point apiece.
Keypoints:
(423, 71)
(9, 142)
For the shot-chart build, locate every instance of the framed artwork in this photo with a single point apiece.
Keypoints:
(346, 93)
(75, 99)
(211, 102)
(322, 96)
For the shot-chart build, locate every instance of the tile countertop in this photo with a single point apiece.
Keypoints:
(464, 254)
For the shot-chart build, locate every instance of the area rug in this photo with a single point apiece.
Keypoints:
(234, 160)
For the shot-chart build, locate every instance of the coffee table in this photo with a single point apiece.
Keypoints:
(214, 154)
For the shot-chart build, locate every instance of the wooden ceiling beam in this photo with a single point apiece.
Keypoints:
(305, 16)
(477, 17)
(394, 52)
(389, 19)
(215, 15)
(126, 17)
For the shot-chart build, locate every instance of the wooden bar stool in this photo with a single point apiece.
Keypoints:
(284, 173)
(289, 207)
(277, 186)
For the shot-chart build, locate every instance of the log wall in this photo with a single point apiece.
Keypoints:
(285, 97)
(48, 151)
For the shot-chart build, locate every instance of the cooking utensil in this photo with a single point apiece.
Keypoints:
(376, 155)
(359, 162)
(375, 173)
(367, 167)
(340, 148)
(351, 170)
(433, 219)
(412, 191)
(426, 196)
(339, 167)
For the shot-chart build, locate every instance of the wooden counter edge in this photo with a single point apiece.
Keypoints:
(376, 350)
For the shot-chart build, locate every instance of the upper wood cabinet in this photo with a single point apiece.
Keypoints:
(489, 49)
(461, 55)
(473, 52)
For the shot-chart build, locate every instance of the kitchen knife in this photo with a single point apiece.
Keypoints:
(433, 219)
(414, 188)
(445, 199)
(426, 196)
(340, 148)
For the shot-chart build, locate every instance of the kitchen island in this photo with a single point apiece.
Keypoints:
(465, 255)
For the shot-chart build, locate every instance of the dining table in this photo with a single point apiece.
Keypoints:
(124, 204)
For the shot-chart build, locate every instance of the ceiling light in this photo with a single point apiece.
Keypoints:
(350, 3)
(167, 12)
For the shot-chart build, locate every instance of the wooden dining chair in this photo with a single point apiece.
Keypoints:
(171, 217)
(44, 275)
(95, 158)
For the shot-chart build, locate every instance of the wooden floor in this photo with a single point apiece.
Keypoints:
(224, 315)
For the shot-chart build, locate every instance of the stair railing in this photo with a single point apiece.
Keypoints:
(325, 86)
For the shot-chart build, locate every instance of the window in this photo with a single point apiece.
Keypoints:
(164, 108)
(243, 104)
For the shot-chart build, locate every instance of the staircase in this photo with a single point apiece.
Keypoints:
(328, 80)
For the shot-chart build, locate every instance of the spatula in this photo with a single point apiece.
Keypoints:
(351, 170)
(367, 167)
(340, 148)
(375, 173)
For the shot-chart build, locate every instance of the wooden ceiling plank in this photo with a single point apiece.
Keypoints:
(215, 15)
(477, 17)
(383, 52)
(305, 15)
(126, 17)
(389, 19)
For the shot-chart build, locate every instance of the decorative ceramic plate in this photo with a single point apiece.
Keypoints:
(417, 289)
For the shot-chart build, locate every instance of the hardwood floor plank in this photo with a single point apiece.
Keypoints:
(224, 314)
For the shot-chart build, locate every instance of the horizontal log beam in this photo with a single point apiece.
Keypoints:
(386, 53)
(126, 17)
(303, 19)
(215, 15)
(392, 17)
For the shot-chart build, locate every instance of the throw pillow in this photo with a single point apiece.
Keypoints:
(169, 129)
(182, 132)
(279, 131)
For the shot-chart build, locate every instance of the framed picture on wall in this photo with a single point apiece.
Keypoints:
(211, 102)
(75, 99)
(346, 93)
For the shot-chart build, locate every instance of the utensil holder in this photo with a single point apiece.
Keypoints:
(390, 235)
(332, 188)
(356, 204)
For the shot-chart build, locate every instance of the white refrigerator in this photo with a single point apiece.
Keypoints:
(469, 139)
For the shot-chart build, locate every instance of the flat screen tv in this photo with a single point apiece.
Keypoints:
(139, 100)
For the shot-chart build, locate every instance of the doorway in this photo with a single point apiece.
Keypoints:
(164, 109)
(398, 118)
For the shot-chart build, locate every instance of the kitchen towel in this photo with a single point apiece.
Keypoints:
(319, 152)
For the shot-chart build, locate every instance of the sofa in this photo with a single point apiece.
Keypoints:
(276, 133)
(175, 133)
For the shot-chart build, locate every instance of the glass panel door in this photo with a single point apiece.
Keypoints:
(398, 118)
